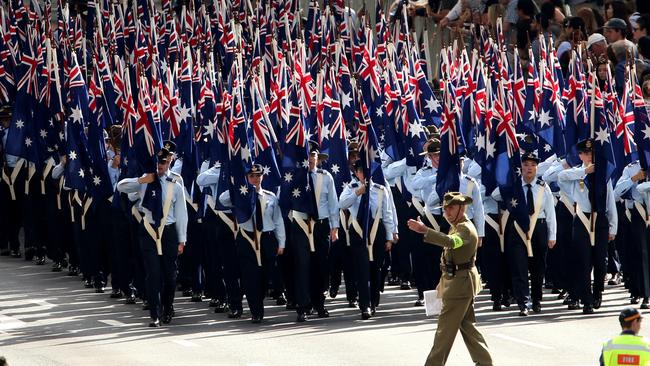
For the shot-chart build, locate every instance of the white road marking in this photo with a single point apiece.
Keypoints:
(185, 343)
(521, 341)
(112, 323)
(7, 322)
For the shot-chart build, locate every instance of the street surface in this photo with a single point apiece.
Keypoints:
(50, 319)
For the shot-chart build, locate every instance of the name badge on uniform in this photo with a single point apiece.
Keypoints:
(582, 185)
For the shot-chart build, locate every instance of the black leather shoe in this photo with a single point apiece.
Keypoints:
(56, 267)
(523, 311)
(405, 285)
(419, 302)
(196, 297)
(634, 300)
(145, 305)
(29, 253)
(496, 306)
(214, 302)
(88, 284)
(506, 302)
(574, 305)
(365, 315)
(393, 281)
(155, 323)
(323, 313)
(334, 292)
(16, 254)
(373, 310)
(187, 293)
(73, 271)
(235, 314)
(588, 309)
(130, 300)
(561, 295)
(290, 306)
(116, 294)
(280, 300)
(644, 304)
(537, 308)
(167, 318)
(99, 290)
(256, 319)
(353, 304)
(221, 308)
(598, 300)
(40, 261)
(301, 318)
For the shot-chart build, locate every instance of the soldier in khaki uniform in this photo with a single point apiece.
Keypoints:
(459, 284)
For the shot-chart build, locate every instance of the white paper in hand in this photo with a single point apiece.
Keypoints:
(432, 304)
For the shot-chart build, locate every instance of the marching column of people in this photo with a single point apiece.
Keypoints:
(302, 255)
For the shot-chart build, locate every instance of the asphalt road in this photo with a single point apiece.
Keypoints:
(50, 319)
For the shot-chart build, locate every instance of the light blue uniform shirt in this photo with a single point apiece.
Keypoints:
(210, 178)
(113, 173)
(644, 192)
(271, 214)
(385, 163)
(569, 181)
(546, 210)
(350, 201)
(11, 159)
(424, 181)
(177, 212)
(474, 212)
(397, 170)
(328, 202)
(626, 184)
(472, 169)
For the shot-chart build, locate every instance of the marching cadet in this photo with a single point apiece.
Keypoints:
(123, 251)
(259, 241)
(495, 267)
(427, 273)
(368, 255)
(226, 231)
(402, 177)
(13, 191)
(632, 185)
(526, 251)
(340, 257)
(563, 273)
(311, 237)
(591, 230)
(214, 281)
(459, 284)
(160, 255)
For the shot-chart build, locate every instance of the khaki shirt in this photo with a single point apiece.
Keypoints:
(459, 247)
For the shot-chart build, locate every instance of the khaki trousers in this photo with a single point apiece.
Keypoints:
(458, 314)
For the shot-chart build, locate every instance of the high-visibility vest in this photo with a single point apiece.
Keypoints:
(626, 349)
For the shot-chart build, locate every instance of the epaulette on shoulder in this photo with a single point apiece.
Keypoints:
(541, 182)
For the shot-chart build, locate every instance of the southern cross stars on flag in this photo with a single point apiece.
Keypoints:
(163, 73)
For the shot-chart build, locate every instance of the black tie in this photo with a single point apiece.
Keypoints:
(259, 221)
(529, 200)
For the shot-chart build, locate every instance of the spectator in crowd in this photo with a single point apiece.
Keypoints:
(551, 19)
(616, 9)
(592, 18)
(574, 29)
(615, 30)
(597, 46)
(618, 54)
(639, 25)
